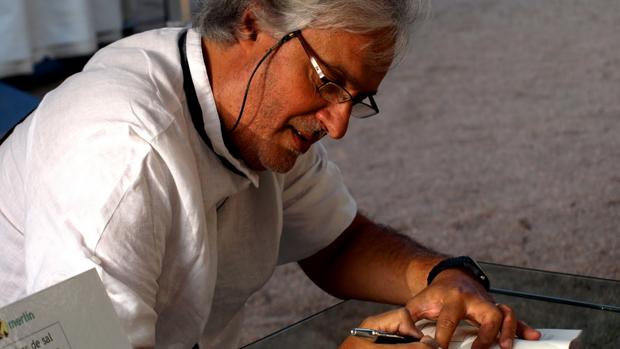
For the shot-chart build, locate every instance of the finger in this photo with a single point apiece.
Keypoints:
(449, 318)
(429, 342)
(509, 327)
(421, 308)
(406, 324)
(394, 321)
(490, 325)
(526, 332)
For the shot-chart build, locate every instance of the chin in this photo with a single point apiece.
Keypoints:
(280, 163)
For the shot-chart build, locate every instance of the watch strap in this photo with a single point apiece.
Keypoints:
(464, 263)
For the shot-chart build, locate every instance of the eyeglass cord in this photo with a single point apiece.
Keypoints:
(284, 39)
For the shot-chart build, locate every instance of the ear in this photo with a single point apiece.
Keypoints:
(248, 26)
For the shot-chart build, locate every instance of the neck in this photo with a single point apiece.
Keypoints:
(228, 73)
(220, 63)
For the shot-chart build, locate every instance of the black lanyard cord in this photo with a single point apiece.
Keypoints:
(194, 106)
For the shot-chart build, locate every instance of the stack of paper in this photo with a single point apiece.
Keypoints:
(465, 335)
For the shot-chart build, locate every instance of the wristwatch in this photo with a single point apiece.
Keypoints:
(464, 263)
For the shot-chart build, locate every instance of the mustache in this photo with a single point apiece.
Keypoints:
(309, 127)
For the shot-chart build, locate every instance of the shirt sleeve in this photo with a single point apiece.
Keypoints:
(132, 249)
(105, 205)
(317, 206)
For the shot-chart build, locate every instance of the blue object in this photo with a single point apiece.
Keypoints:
(14, 106)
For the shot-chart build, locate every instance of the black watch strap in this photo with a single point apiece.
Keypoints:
(464, 263)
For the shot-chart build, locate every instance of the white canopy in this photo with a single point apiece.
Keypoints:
(33, 29)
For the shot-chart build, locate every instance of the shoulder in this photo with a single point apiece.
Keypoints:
(104, 121)
(136, 81)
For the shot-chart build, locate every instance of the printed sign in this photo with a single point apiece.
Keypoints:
(73, 314)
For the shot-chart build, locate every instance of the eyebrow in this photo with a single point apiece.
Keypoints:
(332, 67)
(350, 79)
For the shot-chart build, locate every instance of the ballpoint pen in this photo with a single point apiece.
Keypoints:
(381, 337)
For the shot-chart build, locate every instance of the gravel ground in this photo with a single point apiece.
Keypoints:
(498, 138)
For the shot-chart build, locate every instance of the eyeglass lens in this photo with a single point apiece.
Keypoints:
(362, 110)
(336, 94)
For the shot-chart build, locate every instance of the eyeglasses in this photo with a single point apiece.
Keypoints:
(363, 105)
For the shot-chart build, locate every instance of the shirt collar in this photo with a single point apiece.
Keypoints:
(213, 128)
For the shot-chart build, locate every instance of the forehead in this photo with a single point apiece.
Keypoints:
(340, 42)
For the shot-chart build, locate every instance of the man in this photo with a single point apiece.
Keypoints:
(184, 166)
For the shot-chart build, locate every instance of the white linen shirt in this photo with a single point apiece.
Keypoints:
(110, 173)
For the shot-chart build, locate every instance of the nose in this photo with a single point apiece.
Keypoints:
(335, 118)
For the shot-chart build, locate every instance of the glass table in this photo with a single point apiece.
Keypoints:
(542, 299)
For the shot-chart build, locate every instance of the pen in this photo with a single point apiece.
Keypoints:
(381, 337)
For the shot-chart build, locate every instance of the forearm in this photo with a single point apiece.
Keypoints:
(372, 262)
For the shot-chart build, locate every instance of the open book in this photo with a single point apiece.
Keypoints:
(465, 335)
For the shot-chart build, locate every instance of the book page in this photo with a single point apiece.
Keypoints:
(465, 335)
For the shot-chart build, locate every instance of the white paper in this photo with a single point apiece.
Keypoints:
(73, 314)
(465, 335)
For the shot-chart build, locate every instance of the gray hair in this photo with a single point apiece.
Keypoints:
(219, 20)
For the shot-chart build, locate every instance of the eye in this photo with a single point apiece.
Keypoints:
(334, 77)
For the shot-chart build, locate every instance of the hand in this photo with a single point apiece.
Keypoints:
(396, 321)
(453, 296)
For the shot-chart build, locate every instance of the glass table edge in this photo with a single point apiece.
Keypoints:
(558, 273)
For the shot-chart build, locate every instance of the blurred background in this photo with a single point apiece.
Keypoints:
(499, 132)
(31, 30)
(42, 42)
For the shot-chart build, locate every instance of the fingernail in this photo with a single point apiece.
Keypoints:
(507, 343)
(430, 341)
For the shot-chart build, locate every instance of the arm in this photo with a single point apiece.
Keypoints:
(114, 223)
(371, 262)
(365, 253)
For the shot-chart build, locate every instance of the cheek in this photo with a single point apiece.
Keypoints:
(278, 106)
(288, 91)
(295, 91)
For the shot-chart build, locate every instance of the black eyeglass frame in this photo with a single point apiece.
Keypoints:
(325, 82)
(357, 100)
